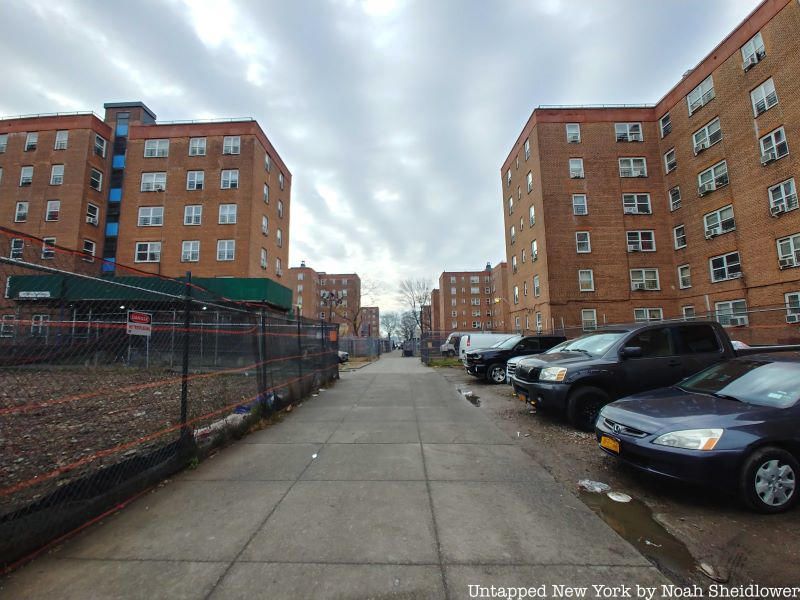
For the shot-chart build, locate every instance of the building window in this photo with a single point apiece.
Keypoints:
(197, 146)
(100, 145)
(670, 160)
(231, 144)
(665, 124)
(48, 248)
(21, 212)
(764, 97)
(267, 163)
(508, 178)
(280, 179)
(227, 214)
(583, 242)
(89, 249)
(579, 206)
(156, 148)
(586, 280)
(266, 194)
(190, 251)
(57, 175)
(226, 249)
(719, 222)
(773, 146)
(279, 237)
(753, 51)
(679, 236)
(230, 179)
(792, 301)
(153, 182)
(531, 216)
(453, 290)
(573, 133)
(782, 197)
(707, 136)
(636, 204)
(39, 325)
(31, 141)
(641, 241)
(265, 229)
(53, 210)
(628, 132)
(8, 326)
(576, 168)
(632, 167)
(789, 251)
(25, 176)
(151, 216)
(527, 149)
(92, 214)
(644, 279)
(264, 263)
(732, 313)
(701, 95)
(514, 264)
(643, 315)
(280, 209)
(148, 252)
(589, 319)
(675, 198)
(1, 174)
(513, 234)
(684, 277)
(279, 272)
(524, 289)
(62, 140)
(516, 294)
(713, 178)
(724, 267)
(510, 205)
(192, 214)
(529, 179)
(687, 312)
(534, 250)
(3, 142)
(195, 180)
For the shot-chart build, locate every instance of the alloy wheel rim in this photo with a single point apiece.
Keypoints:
(775, 483)
(498, 375)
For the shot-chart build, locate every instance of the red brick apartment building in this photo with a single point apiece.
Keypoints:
(370, 321)
(684, 208)
(210, 197)
(472, 300)
(334, 297)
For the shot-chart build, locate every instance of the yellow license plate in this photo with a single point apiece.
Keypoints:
(609, 443)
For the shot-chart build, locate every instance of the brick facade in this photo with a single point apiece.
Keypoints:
(465, 300)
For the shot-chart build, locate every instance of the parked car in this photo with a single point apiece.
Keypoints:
(343, 356)
(490, 363)
(734, 425)
(473, 341)
(581, 376)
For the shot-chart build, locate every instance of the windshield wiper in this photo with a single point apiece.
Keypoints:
(586, 352)
(725, 396)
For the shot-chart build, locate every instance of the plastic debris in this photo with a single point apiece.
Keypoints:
(596, 487)
(314, 455)
(649, 543)
(710, 572)
(619, 497)
(314, 395)
(518, 434)
(527, 435)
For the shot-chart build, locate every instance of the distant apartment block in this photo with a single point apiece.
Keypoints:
(467, 300)
(370, 321)
(683, 208)
(334, 297)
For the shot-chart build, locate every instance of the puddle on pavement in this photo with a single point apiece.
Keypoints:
(474, 399)
(634, 521)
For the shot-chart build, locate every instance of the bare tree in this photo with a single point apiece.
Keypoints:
(408, 325)
(415, 293)
(353, 314)
(390, 322)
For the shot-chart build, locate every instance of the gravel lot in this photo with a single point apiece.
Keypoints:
(739, 546)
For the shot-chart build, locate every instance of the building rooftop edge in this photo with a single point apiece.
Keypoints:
(133, 104)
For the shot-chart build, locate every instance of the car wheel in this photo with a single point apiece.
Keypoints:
(584, 405)
(496, 374)
(450, 354)
(769, 480)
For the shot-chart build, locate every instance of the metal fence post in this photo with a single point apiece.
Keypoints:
(299, 359)
(187, 310)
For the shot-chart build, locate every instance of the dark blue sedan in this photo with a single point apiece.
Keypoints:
(735, 425)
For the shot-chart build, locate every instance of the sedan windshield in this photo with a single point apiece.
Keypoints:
(594, 343)
(774, 384)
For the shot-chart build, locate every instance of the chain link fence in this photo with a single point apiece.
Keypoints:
(110, 384)
(369, 348)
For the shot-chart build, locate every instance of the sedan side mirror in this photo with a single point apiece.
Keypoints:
(631, 352)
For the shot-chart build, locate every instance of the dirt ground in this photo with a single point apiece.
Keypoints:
(734, 545)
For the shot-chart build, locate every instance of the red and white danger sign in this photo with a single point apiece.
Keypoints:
(139, 323)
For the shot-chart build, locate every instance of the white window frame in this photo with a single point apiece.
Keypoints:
(62, 140)
(26, 176)
(150, 250)
(713, 178)
(732, 269)
(534, 250)
(226, 250)
(229, 179)
(529, 181)
(674, 197)
(48, 248)
(281, 181)
(21, 216)
(764, 97)
(156, 148)
(665, 125)
(576, 168)
(687, 312)
(100, 145)
(531, 215)
(31, 141)
(537, 287)
(197, 146)
(774, 146)
(508, 178)
(670, 160)
(753, 52)
(648, 276)
(190, 251)
(590, 281)
(264, 261)
(267, 163)
(8, 326)
(265, 227)
(641, 240)
(228, 214)
(52, 211)
(3, 142)
(708, 135)
(92, 214)
(792, 302)
(732, 308)
(57, 175)
(231, 144)
(580, 205)
(89, 250)
(581, 240)
(679, 237)
(589, 319)
(628, 132)
(153, 182)
(701, 95)
(96, 180)
(279, 237)
(684, 277)
(511, 205)
(513, 234)
(150, 216)
(647, 315)
(516, 294)
(527, 148)
(632, 204)
(573, 131)
(192, 213)
(788, 250)
(632, 166)
(280, 209)
(782, 197)
(195, 180)
(719, 222)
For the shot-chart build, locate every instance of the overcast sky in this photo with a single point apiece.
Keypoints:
(393, 116)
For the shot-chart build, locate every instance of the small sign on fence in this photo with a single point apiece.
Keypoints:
(139, 323)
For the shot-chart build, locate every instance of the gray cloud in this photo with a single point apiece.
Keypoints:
(394, 124)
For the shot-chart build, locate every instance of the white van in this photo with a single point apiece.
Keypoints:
(450, 346)
(472, 341)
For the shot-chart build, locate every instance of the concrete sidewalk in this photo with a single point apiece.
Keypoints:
(414, 493)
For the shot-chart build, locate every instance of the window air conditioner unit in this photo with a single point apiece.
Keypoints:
(750, 62)
(575, 175)
(634, 248)
(704, 189)
(737, 275)
(777, 209)
(158, 187)
(91, 220)
(768, 157)
(535, 256)
(700, 147)
(793, 318)
(635, 137)
(639, 173)
(630, 210)
(638, 286)
(737, 321)
(786, 263)
(711, 232)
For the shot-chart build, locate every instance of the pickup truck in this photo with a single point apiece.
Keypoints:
(490, 363)
(578, 377)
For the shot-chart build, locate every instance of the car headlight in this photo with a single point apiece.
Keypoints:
(690, 439)
(476, 356)
(552, 374)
